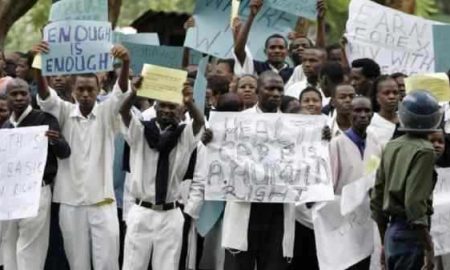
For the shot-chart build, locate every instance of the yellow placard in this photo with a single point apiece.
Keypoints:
(371, 165)
(436, 83)
(164, 84)
(234, 10)
(37, 61)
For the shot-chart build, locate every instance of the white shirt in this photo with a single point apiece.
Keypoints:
(197, 188)
(86, 177)
(334, 127)
(144, 162)
(295, 89)
(297, 76)
(382, 128)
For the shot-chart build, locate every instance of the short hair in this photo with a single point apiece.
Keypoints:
(263, 76)
(333, 71)
(363, 97)
(369, 68)
(16, 83)
(339, 85)
(86, 75)
(229, 62)
(192, 74)
(275, 36)
(229, 102)
(247, 75)
(331, 47)
(311, 43)
(398, 75)
(375, 86)
(218, 84)
(309, 89)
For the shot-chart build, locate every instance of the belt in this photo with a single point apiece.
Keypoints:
(158, 207)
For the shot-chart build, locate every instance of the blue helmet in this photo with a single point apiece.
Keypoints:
(420, 112)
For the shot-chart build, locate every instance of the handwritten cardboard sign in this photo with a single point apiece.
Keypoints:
(267, 158)
(212, 32)
(342, 241)
(436, 83)
(397, 41)
(86, 10)
(77, 47)
(164, 84)
(440, 220)
(24, 155)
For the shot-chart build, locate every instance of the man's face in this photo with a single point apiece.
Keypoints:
(343, 99)
(22, 69)
(361, 113)
(312, 62)
(270, 93)
(276, 50)
(438, 141)
(388, 95)
(18, 99)
(401, 87)
(4, 111)
(60, 83)
(359, 81)
(168, 113)
(335, 55)
(296, 49)
(86, 90)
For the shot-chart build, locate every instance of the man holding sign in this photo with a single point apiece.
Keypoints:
(159, 157)
(27, 239)
(84, 182)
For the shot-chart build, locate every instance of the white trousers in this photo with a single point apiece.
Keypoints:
(90, 232)
(153, 235)
(26, 240)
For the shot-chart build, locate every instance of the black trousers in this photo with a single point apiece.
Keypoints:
(362, 265)
(305, 255)
(56, 256)
(265, 237)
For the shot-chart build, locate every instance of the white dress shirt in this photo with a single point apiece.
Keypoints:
(382, 128)
(86, 177)
(144, 162)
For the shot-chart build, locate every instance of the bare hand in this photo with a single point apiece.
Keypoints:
(207, 136)
(255, 6)
(41, 47)
(321, 9)
(189, 23)
(52, 135)
(188, 94)
(136, 82)
(343, 42)
(120, 52)
(237, 24)
(429, 260)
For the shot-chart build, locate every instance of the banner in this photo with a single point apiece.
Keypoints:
(268, 158)
(201, 83)
(301, 8)
(440, 220)
(397, 41)
(165, 56)
(436, 83)
(212, 32)
(23, 154)
(140, 38)
(77, 47)
(85, 10)
(342, 241)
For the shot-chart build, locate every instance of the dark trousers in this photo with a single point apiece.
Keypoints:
(56, 256)
(265, 237)
(305, 256)
(403, 247)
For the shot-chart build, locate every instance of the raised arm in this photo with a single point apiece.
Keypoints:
(42, 84)
(125, 109)
(242, 37)
(120, 52)
(321, 10)
(195, 113)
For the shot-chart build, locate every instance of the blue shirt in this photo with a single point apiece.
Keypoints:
(356, 139)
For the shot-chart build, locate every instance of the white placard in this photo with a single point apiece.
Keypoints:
(397, 41)
(440, 220)
(23, 154)
(268, 158)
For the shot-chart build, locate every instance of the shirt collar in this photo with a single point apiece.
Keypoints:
(76, 113)
(258, 110)
(21, 117)
(274, 69)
